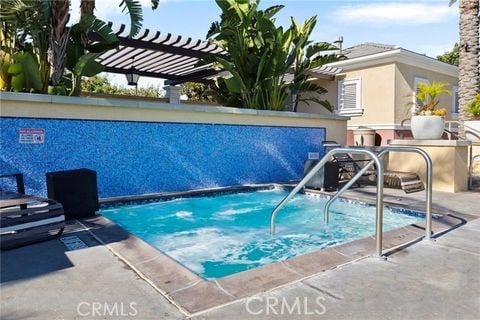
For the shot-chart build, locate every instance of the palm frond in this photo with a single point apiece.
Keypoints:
(273, 10)
(110, 40)
(134, 9)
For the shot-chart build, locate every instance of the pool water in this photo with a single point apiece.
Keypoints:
(216, 236)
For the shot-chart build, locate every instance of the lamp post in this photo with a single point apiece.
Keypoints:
(132, 77)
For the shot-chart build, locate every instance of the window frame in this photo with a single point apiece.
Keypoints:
(416, 82)
(358, 110)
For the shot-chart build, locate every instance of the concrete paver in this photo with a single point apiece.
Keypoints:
(44, 281)
(424, 281)
(429, 280)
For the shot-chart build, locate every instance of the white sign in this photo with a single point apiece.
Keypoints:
(313, 156)
(31, 135)
(73, 243)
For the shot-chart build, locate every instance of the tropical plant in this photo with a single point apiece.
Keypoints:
(308, 57)
(474, 107)
(29, 23)
(131, 7)
(80, 58)
(261, 55)
(7, 49)
(25, 72)
(469, 74)
(33, 28)
(452, 56)
(427, 96)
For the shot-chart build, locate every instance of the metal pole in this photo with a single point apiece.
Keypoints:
(428, 162)
(428, 222)
(379, 226)
(309, 175)
(379, 200)
(326, 216)
(297, 188)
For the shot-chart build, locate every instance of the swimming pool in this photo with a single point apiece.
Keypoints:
(216, 236)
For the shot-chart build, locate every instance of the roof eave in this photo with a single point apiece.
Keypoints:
(398, 56)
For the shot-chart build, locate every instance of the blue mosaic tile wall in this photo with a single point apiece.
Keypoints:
(141, 157)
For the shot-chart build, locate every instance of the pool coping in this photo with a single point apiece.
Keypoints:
(193, 193)
(194, 294)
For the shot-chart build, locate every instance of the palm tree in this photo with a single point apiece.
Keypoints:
(44, 24)
(59, 39)
(132, 7)
(469, 77)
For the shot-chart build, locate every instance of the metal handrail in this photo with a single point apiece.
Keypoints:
(428, 161)
(467, 129)
(470, 171)
(318, 166)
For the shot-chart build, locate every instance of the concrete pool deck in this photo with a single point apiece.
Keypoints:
(426, 280)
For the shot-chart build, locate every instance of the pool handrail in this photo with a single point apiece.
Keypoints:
(428, 161)
(319, 165)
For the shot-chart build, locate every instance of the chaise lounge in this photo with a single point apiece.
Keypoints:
(27, 219)
(409, 182)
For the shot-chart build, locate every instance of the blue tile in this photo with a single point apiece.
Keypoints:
(142, 157)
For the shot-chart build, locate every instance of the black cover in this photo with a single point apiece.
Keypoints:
(326, 178)
(76, 190)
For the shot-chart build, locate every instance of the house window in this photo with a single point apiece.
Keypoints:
(416, 82)
(349, 94)
(455, 105)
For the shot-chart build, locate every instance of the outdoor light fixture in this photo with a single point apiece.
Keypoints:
(132, 76)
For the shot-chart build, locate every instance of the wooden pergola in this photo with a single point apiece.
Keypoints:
(174, 58)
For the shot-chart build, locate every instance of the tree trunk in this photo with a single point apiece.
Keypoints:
(469, 56)
(59, 38)
(87, 8)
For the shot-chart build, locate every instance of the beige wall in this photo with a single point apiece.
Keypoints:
(404, 77)
(377, 94)
(450, 162)
(386, 96)
(45, 106)
(332, 92)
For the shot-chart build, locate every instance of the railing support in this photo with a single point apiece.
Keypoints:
(379, 200)
(473, 158)
(428, 162)
(318, 166)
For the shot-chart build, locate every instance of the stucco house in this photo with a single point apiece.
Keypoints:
(376, 85)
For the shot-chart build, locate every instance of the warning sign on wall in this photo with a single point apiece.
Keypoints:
(31, 135)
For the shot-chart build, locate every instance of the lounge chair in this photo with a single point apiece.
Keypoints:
(409, 182)
(27, 219)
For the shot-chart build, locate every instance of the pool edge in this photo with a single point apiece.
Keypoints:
(187, 289)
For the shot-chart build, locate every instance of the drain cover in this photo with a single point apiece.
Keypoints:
(73, 243)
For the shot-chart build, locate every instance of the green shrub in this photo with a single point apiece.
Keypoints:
(474, 107)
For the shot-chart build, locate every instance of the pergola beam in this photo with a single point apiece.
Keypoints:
(143, 73)
(174, 58)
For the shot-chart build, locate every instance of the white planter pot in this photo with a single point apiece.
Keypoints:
(427, 127)
(472, 130)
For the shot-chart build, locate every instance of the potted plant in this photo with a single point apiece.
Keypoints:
(472, 127)
(428, 121)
